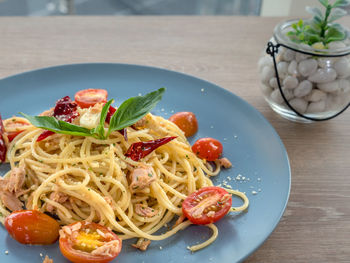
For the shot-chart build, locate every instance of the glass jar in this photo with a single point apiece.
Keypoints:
(313, 84)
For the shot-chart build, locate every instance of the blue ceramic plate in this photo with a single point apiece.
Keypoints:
(261, 166)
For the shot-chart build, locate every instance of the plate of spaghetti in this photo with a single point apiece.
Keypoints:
(127, 163)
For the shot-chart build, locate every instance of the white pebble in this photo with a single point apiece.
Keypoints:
(323, 75)
(288, 93)
(303, 89)
(273, 83)
(324, 62)
(282, 68)
(276, 96)
(265, 61)
(336, 45)
(288, 55)
(307, 67)
(292, 68)
(298, 104)
(254, 192)
(342, 67)
(316, 95)
(290, 82)
(300, 56)
(329, 87)
(267, 73)
(344, 85)
(315, 107)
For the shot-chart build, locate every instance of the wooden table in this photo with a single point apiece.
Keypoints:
(225, 51)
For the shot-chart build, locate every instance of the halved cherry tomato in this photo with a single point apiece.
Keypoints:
(86, 242)
(186, 121)
(207, 205)
(32, 227)
(207, 148)
(14, 127)
(89, 97)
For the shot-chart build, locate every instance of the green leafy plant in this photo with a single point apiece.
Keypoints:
(321, 28)
(128, 113)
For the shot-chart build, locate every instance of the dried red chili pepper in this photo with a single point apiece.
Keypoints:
(44, 135)
(110, 113)
(65, 110)
(139, 150)
(2, 142)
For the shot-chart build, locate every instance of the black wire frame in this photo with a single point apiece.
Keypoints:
(273, 50)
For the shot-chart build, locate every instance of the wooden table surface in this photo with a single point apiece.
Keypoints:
(224, 50)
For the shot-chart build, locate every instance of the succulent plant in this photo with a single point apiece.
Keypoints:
(320, 29)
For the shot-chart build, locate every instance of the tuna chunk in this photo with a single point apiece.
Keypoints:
(47, 260)
(143, 210)
(10, 201)
(142, 177)
(57, 197)
(108, 249)
(16, 179)
(11, 187)
(140, 124)
(143, 245)
(224, 162)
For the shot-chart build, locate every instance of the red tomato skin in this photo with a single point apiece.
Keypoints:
(89, 97)
(186, 121)
(204, 219)
(12, 135)
(207, 148)
(32, 227)
(17, 125)
(77, 256)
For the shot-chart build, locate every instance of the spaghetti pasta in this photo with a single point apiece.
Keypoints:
(79, 178)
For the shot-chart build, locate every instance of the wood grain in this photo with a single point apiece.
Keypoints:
(223, 50)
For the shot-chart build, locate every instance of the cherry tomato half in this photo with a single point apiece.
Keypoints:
(89, 97)
(85, 242)
(207, 148)
(32, 227)
(14, 127)
(207, 205)
(186, 121)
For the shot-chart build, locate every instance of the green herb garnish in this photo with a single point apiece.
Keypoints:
(320, 29)
(133, 109)
(128, 113)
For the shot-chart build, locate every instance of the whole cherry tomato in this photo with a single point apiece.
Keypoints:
(89, 97)
(86, 242)
(207, 148)
(207, 205)
(32, 227)
(186, 121)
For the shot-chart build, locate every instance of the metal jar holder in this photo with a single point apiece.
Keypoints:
(273, 50)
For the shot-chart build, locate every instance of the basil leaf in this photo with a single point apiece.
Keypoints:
(133, 109)
(99, 130)
(57, 126)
